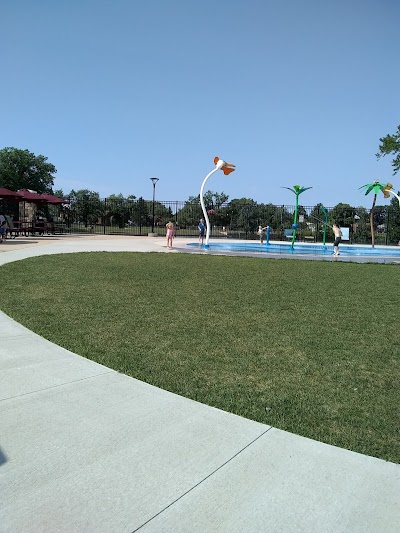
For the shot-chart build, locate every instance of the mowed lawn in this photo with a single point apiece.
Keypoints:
(306, 346)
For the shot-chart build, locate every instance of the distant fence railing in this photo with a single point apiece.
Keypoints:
(232, 219)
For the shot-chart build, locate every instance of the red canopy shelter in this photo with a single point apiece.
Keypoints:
(9, 195)
(51, 199)
(33, 197)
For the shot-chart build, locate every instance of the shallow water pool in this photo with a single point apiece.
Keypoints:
(301, 249)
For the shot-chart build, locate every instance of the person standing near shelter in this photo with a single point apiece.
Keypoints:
(170, 233)
(202, 229)
(3, 230)
(338, 238)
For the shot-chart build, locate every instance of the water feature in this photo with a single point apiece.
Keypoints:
(301, 249)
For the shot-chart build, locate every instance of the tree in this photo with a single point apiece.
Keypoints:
(212, 199)
(243, 214)
(117, 209)
(85, 206)
(139, 212)
(219, 198)
(342, 215)
(361, 232)
(394, 218)
(391, 145)
(162, 214)
(21, 169)
(191, 212)
(59, 193)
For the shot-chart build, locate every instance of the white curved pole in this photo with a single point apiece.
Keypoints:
(219, 164)
(396, 195)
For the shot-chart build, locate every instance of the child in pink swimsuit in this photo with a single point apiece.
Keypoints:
(170, 234)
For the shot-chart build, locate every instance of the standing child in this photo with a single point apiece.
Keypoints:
(202, 229)
(170, 234)
(338, 238)
(261, 233)
(3, 230)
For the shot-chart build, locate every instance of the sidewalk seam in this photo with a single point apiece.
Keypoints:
(56, 386)
(15, 335)
(202, 480)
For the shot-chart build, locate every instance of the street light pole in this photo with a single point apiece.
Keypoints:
(154, 180)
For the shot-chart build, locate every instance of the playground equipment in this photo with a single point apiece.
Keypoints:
(376, 186)
(268, 233)
(297, 190)
(226, 168)
(324, 222)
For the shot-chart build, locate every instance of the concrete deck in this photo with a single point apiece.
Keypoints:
(85, 449)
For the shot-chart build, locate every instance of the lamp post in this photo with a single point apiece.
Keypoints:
(154, 180)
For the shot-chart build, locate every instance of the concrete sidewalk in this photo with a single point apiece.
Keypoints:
(85, 449)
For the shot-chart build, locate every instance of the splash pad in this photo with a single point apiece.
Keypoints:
(346, 250)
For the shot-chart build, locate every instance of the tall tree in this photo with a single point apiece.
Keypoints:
(117, 209)
(191, 212)
(243, 214)
(391, 145)
(342, 215)
(394, 226)
(59, 193)
(211, 199)
(85, 206)
(21, 169)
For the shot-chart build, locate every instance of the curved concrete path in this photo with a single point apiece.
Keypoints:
(85, 449)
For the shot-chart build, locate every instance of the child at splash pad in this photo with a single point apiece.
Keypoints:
(170, 233)
(261, 232)
(202, 229)
(338, 238)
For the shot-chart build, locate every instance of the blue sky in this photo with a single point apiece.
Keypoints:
(114, 92)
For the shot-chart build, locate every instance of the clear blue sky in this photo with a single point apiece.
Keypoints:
(114, 92)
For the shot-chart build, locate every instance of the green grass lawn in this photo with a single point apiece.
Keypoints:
(306, 346)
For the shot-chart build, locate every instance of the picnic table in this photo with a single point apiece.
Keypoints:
(33, 228)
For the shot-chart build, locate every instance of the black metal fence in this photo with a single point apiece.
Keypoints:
(233, 219)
